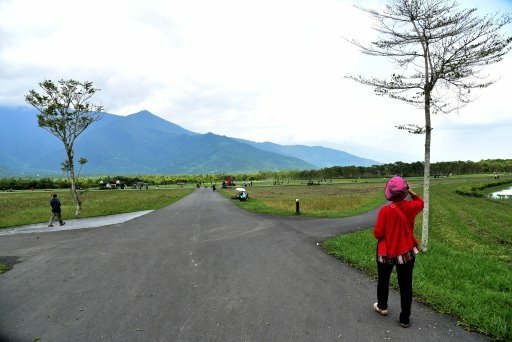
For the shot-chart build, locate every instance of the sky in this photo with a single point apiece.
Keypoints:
(261, 70)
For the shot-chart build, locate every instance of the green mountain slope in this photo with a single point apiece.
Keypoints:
(143, 143)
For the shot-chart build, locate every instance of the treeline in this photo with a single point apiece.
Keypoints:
(409, 169)
(95, 182)
(336, 172)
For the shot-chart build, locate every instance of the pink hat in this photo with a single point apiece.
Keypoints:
(396, 189)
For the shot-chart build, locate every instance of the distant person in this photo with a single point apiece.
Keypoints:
(56, 211)
(397, 245)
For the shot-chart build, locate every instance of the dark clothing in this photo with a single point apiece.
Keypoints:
(55, 204)
(59, 217)
(56, 212)
(404, 273)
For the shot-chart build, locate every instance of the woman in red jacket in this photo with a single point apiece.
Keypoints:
(397, 245)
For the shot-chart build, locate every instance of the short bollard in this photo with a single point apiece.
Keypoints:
(297, 206)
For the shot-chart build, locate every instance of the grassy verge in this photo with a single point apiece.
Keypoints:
(26, 207)
(467, 271)
(3, 268)
(326, 200)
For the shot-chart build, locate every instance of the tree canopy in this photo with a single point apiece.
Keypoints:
(441, 51)
(65, 111)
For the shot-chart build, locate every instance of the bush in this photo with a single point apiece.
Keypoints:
(468, 191)
(472, 191)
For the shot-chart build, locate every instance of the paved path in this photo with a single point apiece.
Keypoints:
(201, 269)
(83, 223)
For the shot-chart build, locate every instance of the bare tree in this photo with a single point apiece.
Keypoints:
(65, 112)
(440, 51)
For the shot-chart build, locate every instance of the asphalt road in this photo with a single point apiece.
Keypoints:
(201, 269)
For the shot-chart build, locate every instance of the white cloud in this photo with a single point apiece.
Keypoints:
(262, 70)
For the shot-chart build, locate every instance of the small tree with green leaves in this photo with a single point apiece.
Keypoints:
(65, 111)
(66, 168)
(441, 51)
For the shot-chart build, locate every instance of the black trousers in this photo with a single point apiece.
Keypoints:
(404, 273)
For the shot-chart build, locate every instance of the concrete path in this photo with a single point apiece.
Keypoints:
(201, 269)
(83, 223)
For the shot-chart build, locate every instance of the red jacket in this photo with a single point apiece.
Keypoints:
(395, 236)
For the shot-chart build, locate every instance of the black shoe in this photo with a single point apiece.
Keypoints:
(63, 223)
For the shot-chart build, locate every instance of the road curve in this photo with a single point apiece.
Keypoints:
(201, 269)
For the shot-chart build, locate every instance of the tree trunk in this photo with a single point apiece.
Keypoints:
(426, 176)
(74, 192)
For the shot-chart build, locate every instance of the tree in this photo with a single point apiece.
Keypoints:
(65, 111)
(441, 51)
(66, 166)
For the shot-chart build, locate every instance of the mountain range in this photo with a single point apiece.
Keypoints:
(143, 143)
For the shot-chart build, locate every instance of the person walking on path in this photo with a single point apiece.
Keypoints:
(397, 245)
(56, 211)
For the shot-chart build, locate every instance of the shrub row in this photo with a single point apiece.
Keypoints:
(469, 191)
(472, 191)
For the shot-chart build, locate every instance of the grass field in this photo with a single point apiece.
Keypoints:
(339, 199)
(27, 207)
(467, 271)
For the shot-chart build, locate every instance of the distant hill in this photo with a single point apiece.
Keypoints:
(208, 153)
(316, 155)
(143, 143)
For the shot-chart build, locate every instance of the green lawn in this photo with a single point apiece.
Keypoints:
(467, 271)
(27, 207)
(337, 199)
